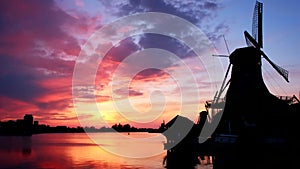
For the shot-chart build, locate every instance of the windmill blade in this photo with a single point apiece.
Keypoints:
(284, 73)
(226, 45)
(226, 56)
(249, 39)
(257, 23)
(223, 83)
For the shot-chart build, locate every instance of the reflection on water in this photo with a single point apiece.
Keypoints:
(76, 151)
(72, 150)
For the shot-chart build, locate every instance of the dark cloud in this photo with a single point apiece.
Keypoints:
(167, 43)
(122, 50)
(149, 74)
(18, 81)
(198, 12)
(58, 105)
(124, 92)
(218, 32)
(128, 46)
(195, 11)
(20, 86)
(135, 93)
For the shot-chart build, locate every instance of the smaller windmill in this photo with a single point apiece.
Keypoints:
(224, 84)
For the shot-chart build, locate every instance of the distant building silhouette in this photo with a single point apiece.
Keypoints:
(19, 127)
(28, 124)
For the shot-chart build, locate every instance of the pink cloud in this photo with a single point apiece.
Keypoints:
(13, 108)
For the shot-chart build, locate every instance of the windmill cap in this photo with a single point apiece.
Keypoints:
(245, 56)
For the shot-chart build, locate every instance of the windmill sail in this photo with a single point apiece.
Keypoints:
(251, 41)
(257, 26)
(257, 23)
(284, 73)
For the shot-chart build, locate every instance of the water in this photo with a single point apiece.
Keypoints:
(77, 150)
(71, 150)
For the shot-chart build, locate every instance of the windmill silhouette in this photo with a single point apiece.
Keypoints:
(246, 82)
(256, 41)
(251, 113)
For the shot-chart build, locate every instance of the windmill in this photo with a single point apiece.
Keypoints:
(217, 102)
(223, 86)
(256, 41)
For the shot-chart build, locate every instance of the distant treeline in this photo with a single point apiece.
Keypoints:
(28, 127)
(127, 128)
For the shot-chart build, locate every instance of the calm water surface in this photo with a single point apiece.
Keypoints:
(77, 151)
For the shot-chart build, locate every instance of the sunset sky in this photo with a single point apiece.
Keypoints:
(40, 42)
